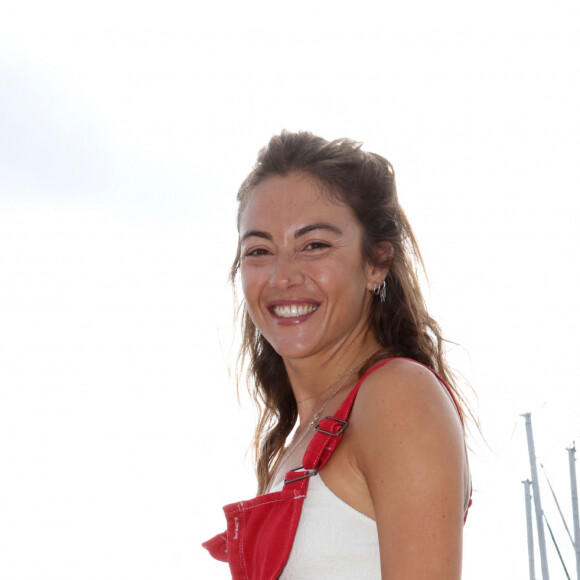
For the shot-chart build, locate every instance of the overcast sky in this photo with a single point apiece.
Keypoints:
(125, 130)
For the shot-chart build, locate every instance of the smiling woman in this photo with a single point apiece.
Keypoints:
(374, 482)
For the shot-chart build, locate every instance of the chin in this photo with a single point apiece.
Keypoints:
(292, 350)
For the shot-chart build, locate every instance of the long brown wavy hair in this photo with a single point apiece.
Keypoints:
(366, 183)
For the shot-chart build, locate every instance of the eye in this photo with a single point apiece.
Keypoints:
(256, 252)
(317, 246)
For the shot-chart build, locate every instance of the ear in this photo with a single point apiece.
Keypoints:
(377, 271)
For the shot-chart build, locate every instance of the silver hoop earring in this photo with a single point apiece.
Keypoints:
(383, 292)
(380, 291)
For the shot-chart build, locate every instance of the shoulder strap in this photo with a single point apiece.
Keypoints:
(330, 430)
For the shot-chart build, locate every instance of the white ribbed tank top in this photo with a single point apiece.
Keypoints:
(333, 540)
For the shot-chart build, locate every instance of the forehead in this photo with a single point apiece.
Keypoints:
(290, 201)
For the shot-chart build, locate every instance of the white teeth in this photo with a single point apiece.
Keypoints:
(294, 310)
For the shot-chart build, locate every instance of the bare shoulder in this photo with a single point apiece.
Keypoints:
(403, 421)
(404, 394)
(402, 408)
(408, 445)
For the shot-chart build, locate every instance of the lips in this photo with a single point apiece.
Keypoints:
(293, 310)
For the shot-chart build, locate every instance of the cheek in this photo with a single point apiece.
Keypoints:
(340, 276)
(245, 280)
(250, 283)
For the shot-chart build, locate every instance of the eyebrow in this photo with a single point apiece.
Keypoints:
(297, 234)
(319, 226)
(257, 234)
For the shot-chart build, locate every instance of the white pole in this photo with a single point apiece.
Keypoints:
(530, 527)
(537, 499)
(573, 485)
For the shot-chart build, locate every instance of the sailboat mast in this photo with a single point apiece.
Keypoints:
(575, 517)
(527, 483)
(537, 499)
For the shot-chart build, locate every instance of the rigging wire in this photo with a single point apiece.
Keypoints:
(556, 545)
(557, 504)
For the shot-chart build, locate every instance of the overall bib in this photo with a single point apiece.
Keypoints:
(260, 532)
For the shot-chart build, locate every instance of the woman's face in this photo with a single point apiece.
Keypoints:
(303, 276)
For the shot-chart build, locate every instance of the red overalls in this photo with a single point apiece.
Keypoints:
(260, 532)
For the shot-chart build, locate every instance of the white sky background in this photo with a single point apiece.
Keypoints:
(125, 130)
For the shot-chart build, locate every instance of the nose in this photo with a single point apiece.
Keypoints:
(286, 272)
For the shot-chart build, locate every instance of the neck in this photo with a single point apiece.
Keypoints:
(316, 378)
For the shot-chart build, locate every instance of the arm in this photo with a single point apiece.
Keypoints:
(409, 447)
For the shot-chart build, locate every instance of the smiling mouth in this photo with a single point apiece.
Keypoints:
(294, 310)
